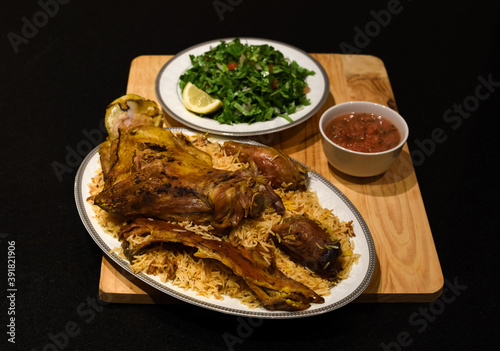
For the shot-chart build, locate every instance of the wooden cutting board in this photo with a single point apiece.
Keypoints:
(408, 268)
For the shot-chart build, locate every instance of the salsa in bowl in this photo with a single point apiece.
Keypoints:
(361, 138)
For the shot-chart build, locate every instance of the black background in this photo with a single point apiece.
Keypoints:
(59, 82)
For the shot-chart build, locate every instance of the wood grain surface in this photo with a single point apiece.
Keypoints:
(408, 268)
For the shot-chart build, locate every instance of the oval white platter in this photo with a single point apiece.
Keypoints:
(170, 96)
(329, 196)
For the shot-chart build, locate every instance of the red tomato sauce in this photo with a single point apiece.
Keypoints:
(363, 132)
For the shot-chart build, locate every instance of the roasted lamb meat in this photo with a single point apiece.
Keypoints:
(279, 169)
(309, 245)
(157, 174)
(270, 285)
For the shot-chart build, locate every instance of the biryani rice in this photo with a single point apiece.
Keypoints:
(178, 265)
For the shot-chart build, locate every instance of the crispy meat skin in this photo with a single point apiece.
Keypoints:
(309, 244)
(271, 286)
(274, 165)
(149, 172)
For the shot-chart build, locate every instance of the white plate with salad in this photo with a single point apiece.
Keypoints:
(265, 86)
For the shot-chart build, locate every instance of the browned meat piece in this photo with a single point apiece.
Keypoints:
(156, 174)
(107, 154)
(274, 165)
(271, 286)
(310, 245)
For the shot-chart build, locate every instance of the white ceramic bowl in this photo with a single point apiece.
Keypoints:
(361, 164)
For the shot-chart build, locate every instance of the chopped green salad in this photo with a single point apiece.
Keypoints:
(254, 82)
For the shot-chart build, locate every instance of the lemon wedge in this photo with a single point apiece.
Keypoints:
(198, 101)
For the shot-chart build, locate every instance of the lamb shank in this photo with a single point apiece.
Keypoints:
(270, 285)
(150, 172)
(275, 166)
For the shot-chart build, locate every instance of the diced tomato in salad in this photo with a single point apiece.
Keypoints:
(232, 65)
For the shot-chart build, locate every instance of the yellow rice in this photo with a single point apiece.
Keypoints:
(179, 265)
